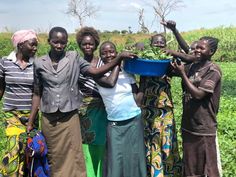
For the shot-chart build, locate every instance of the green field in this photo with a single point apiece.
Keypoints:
(227, 113)
(226, 118)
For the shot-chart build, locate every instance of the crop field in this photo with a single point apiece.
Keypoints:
(225, 58)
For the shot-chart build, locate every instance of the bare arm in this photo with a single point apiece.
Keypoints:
(109, 81)
(193, 90)
(34, 111)
(99, 72)
(139, 96)
(172, 26)
(184, 57)
(37, 94)
(135, 92)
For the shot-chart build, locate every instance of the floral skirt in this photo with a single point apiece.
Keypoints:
(12, 162)
(160, 137)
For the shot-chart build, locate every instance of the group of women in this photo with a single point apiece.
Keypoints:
(95, 119)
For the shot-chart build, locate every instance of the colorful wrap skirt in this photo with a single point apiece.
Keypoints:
(161, 143)
(12, 162)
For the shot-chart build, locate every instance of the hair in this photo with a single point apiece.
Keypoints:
(57, 29)
(212, 42)
(157, 35)
(139, 46)
(105, 43)
(87, 31)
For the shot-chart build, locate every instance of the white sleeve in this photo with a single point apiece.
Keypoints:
(131, 77)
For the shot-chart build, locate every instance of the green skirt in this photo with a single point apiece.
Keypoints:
(93, 119)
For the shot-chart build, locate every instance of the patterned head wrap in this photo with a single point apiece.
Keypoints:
(22, 36)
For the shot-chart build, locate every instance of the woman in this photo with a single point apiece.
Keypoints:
(159, 125)
(92, 112)
(16, 87)
(56, 87)
(125, 153)
(201, 84)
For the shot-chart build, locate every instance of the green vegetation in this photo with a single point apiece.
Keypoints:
(151, 53)
(226, 53)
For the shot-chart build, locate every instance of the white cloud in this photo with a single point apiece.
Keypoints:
(136, 5)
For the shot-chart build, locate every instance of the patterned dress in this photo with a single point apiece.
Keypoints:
(93, 118)
(159, 129)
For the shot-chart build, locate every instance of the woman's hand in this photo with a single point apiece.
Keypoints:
(169, 24)
(127, 55)
(29, 127)
(178, 68)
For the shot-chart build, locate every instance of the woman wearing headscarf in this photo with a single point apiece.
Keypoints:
(16, 86)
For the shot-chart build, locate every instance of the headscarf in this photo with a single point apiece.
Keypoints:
(22, 36)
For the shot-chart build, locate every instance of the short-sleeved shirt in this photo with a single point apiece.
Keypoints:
(119, 100)
(19, 83)
(199, 115)
(59, 88)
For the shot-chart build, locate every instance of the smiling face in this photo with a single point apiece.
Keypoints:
(58, 42)
(158, 41)
(28, 48)
(203, 50)
(107, 52)
(193, 47)
(88, 45)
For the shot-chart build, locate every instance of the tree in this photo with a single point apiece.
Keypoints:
(144, 29)
(124, 32)
(162, 8)
(81, 9)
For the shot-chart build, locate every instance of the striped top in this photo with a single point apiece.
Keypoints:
(19, 83)
(88, 85)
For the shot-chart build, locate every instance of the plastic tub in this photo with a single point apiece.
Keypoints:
(146, 67)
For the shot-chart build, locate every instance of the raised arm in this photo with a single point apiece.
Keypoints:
(172, 26)
(184, 57)
(109, 81)
(99, 72)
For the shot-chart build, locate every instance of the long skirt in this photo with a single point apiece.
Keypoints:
(93, 156)
(93, 119)
(160, 137)
(63, 137)
(125, 153)
(200, 155)
(12, 163)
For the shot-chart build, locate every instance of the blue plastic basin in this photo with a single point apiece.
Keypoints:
(146, 67)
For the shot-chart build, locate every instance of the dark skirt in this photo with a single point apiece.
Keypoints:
(125, 153)
(199, 155)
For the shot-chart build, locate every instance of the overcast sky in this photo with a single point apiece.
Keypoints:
(41, 15)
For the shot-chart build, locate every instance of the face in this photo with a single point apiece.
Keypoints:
(202, 51)
(193, 47)
(88, 45)
(29, 48)
(158, 41)
(107, 53)
(58, 42)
